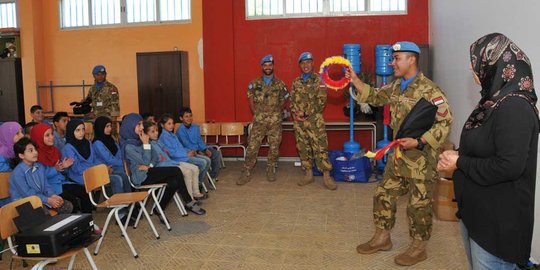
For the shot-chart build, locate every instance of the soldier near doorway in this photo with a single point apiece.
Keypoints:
(267, 95)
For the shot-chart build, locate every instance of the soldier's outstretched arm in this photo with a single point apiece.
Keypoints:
(367, 94)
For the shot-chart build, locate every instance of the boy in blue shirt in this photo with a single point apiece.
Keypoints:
(189, 135)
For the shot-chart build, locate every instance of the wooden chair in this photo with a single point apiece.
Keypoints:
(4, 189)
(88, 130)
(153, 190)
(210, 133)
(229, 130)
(8, 229)
(4, 185)
(97, 177)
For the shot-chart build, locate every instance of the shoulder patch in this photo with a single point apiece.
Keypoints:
(250, 86)
(437, 101)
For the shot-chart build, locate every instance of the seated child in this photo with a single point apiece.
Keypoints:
(107, 152)
(137, 151)
(189, 135)
(60, 120)
(176, 149)
(29, 178)
(10, 133)
(190, 171)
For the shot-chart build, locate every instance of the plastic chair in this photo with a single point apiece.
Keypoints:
(8, 229)
(97, 177)
(153, 190)
(229, 130)
(88, 130)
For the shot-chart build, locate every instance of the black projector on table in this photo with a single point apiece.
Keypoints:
(56, 235)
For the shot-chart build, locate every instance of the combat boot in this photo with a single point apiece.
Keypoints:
(271, 174)
(380, 241)
(329, 182)
(307, 179)
(414, 254)
(246, 177)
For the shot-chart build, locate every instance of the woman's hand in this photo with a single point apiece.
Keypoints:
(145, 139)
(143, 167)
(67, 162)
(448, 161)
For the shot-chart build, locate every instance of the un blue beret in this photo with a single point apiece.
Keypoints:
(406, 46)
(99, 68)
(305, 56)
(267, 58)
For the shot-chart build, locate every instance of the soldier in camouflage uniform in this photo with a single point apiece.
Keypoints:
(308, 98)
(267, 95)
(416, 171)
(104, 95)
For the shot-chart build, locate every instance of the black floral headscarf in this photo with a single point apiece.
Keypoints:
(504, 71)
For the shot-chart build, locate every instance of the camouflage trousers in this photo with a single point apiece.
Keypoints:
(419, 207)
(312, 144)
(272, 131)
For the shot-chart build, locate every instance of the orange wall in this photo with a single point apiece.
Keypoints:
(68, 56)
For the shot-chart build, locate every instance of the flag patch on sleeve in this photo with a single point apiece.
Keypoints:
(437, 101)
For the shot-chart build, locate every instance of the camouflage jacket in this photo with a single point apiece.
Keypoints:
(415, 163)
(268, 99)
(105, 102)
(308, 96)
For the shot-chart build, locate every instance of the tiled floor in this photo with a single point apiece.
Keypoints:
(277, 225)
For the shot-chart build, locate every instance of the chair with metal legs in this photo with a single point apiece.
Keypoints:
(153, 190)
(97, 177)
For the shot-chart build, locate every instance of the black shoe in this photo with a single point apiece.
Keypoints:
(196, 209)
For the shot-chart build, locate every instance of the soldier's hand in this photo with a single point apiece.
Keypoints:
(358, 84)
(408, 143)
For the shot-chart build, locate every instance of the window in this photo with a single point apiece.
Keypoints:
(89, 13)
(262, 9)
(8, 14)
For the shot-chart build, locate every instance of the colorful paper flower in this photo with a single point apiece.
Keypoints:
(325, 66)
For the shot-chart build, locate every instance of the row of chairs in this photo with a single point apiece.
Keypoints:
(95, 178)
(233, 133)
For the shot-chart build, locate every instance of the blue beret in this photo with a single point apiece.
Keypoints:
(99, 68)
(405, 46)
(267, 58)
(305, 56)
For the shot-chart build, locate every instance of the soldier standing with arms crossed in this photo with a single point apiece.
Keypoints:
(416, 171)
(267, 95)
(308, 98)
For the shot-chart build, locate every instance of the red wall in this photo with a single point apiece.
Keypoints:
(233, 47)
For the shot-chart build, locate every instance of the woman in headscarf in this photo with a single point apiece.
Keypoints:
(10, 133)
(50, 157)
(108, 153)
(495, 167)
(138, 154)
(80, 150)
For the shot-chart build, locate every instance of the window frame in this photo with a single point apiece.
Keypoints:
(123, 18)
(325, 13)
(16, 2)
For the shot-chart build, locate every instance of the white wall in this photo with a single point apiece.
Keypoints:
(454, 25)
